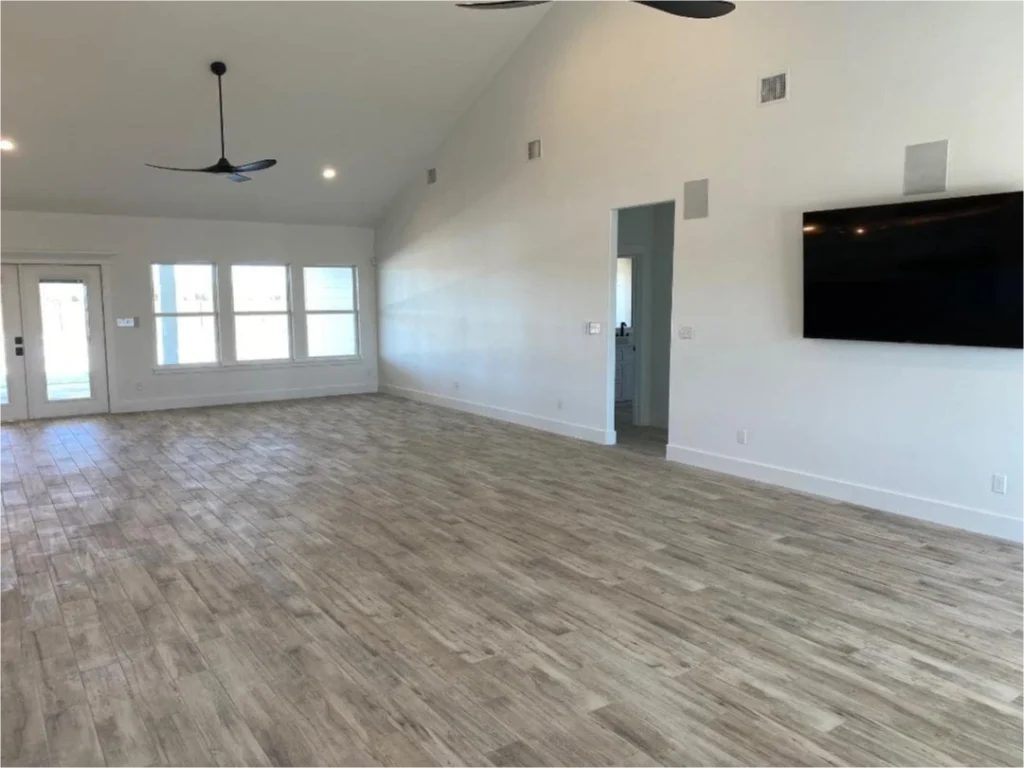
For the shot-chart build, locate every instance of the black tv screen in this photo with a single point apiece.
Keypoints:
(947, 271)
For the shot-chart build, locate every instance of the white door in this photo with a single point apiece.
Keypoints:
(13, 403)
(65, 356)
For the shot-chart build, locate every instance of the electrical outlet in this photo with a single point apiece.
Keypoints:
(560, 403)
(455, 385)
(999, 484)
(741, 436)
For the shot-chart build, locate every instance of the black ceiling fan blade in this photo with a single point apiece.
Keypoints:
(207, 169)
(501, 5)
(256, 165)
(237, 177)
(696, 9)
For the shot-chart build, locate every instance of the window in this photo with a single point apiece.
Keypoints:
(332, 328)
(188, 324)
(260, 302)
(624, 292)
(184, 308)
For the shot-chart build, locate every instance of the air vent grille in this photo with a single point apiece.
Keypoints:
(533, 150)
(431, 175)
(774, 88)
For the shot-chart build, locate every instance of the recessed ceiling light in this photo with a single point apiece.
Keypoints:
(329, 173)
(6, 145)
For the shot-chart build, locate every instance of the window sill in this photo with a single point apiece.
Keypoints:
(256, 365)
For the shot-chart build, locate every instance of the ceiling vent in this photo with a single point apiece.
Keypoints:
(774, 88)
(533, 150)
(431, 175)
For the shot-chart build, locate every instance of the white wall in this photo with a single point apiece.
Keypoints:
(488, 276)
(131, 244)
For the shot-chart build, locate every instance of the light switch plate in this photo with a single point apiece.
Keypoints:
(685, 331)
(127, 322)
(999, 484)
(593, 329)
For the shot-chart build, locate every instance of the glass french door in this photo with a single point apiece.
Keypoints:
(13, 403)
(62, 355)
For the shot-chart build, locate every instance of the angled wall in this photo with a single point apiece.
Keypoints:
(487, 278)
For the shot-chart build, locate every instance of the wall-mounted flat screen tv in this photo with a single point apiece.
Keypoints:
(948, 271)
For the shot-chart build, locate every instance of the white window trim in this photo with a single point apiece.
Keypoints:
(224, 320)
(157, 366)
(288, 313)
(313, 362)
(355, 312)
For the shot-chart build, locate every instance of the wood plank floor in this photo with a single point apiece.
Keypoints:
(366, 580)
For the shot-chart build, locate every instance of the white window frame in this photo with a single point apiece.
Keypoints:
(289, 313)
(354, 312)
(157, 365)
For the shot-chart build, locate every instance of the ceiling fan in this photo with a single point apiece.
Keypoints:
(222, 167)
(697, 9)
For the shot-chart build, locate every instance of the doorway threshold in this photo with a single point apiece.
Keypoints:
(650, 441)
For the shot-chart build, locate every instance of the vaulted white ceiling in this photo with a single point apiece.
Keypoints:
(92, 91)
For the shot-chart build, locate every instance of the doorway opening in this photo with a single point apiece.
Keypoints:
(642, 329)
(54, 356)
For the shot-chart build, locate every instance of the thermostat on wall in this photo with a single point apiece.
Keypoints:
(127, 322)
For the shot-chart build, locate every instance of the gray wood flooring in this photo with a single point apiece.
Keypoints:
(366, 580)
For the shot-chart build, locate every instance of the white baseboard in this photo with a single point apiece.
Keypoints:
(976, 520)
(235, 398)
(579, 431)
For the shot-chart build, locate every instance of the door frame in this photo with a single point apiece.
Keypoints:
(69, 258)
(614, 251)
